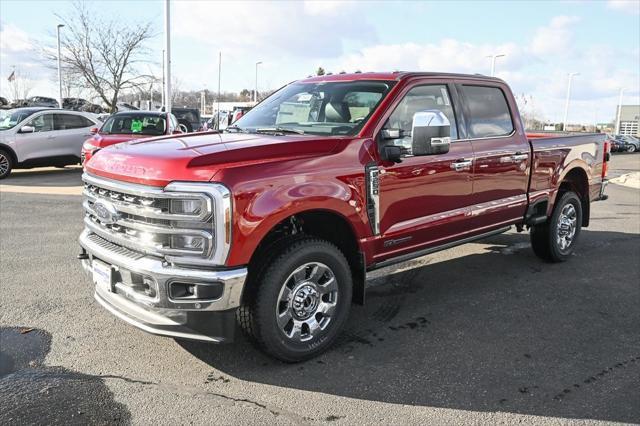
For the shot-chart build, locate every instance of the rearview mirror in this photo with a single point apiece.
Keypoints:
(27, 129)
(430, 133)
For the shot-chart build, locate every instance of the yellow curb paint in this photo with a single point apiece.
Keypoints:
(48, 190)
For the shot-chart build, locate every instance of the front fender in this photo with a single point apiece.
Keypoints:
(258, 212)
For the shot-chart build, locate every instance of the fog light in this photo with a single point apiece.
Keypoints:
(186, 206)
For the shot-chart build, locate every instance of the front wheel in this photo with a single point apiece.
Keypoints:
(631, 148)
(555, 239)
(298, 301)
(6, 164)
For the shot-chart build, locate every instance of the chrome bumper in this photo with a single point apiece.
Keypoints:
(210, 320)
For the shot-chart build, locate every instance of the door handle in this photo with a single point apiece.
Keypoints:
(461, 165)
(517, 157)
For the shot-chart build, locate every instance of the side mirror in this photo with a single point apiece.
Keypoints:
(27, 129)
(93, 130)
(430, 133)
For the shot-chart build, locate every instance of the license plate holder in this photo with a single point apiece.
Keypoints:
(102, 275)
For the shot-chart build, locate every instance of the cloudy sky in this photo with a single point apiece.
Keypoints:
(543, 41)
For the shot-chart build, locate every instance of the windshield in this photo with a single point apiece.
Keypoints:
(139, 124)
(323, 108)
(10, 119)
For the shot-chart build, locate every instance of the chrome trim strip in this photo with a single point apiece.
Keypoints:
(373, 193)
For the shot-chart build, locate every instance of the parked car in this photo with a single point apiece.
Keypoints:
(4, 103)
(79, 104)
(188, 118)
(126, 126)
(279, 219)
(626, 143)
(42, 101)
(123, 106)
(237, 113)
(36, 136)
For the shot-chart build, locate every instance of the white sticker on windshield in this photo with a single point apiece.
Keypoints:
(445, 96)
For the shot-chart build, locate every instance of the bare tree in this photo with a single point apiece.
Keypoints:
(20, 86)
(102, 55)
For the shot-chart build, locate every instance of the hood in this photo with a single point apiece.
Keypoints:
(198, 156)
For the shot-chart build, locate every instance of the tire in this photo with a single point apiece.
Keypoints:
(6, 164)
(298, 300)
(555, 240)
(186, 124)
(631, 148)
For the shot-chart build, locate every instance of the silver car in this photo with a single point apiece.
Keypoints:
(35, 137)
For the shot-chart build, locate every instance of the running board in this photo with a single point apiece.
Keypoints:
(429, 250)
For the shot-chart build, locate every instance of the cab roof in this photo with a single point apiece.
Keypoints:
(388, 76)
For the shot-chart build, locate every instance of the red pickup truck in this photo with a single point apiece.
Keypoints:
(275, 222)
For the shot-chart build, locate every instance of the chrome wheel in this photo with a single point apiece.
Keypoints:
(4, 164)
(307, 301)
(567, 224)
(631, 148)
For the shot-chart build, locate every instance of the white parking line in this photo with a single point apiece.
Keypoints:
(47, 190)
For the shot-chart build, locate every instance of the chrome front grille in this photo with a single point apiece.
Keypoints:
(144, 220)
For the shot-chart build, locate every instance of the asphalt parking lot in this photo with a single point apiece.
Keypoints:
(483, 333)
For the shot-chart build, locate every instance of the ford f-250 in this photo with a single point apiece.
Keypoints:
(274, 223)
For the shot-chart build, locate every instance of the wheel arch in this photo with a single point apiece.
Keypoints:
(11, 152)
(326, 224)
(576, 180)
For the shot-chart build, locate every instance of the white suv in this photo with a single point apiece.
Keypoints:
(35, 137)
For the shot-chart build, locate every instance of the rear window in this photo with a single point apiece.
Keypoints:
(489, 114)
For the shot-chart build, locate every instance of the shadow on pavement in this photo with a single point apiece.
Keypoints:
(31, 393)
(497, 331)
(59, 177)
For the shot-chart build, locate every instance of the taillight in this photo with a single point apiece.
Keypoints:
(605, 159)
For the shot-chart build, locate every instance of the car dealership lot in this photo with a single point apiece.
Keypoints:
(481, 333)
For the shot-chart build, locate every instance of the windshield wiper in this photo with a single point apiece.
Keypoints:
(281, 130)
(235, 128)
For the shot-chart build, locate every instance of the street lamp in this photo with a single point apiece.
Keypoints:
(619, 112)
(255, 92)
(566, 105)
(167, 56)
(59, 68)
(493, 62)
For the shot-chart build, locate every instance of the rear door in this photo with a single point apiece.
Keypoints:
(501, 153)
(71, 130)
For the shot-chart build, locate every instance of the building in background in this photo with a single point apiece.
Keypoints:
(629, 120)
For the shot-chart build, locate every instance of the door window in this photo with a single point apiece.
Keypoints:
(42, 123)
(421, 98)
(489, 114)
(71, 121)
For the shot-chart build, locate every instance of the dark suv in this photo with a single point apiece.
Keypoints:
(189, 118)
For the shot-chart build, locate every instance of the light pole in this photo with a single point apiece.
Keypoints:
(566, 105)
(255, 92)
(59, 68)
(167, 62)
(493, 62)
(619, 112)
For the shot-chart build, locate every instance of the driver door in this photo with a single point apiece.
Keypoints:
(424, 199)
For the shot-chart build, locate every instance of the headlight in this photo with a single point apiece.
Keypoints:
(187, 242)
(193, 207)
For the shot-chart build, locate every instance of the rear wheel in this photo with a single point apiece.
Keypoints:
(299, 301)
(6, 164)
(555, 239)
(631, 148)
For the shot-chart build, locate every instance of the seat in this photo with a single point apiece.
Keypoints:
(337, 112)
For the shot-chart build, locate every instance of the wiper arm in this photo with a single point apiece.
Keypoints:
(236, 128)
(282, 130)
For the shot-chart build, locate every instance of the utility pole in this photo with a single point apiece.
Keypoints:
(59, 68)
(255, 92)
(167, 48)
(219, 77)
(619, 112)
(162, 95)
(566, 105)
(493, 62)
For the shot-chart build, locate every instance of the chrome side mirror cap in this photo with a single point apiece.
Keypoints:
(430, 133)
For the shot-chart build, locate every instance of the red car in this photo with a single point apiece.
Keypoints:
(128, 125)
(277, 221)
